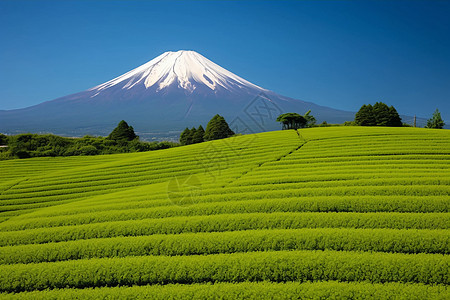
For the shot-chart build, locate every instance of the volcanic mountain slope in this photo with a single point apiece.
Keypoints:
(170, 92)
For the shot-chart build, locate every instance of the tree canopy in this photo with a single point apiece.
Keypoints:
(123, 132)
(3, 139)
(365, 116)
(197, 136)
(185, 137)
(217, 128)
(310, 120)
(35, 145)
(394, 118)
(381, 113)
(292, 121)
(378, 115)
(435, 121)
(192, 136)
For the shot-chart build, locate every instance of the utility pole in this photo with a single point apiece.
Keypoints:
(414, 120)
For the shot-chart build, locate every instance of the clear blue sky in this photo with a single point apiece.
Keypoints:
(340, 54)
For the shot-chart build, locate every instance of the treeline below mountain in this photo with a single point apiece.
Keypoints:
(121, 140)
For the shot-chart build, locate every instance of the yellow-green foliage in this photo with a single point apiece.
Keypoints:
(333, 212)
(250, 290)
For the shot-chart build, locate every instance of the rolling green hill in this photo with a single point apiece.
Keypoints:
(320, 213)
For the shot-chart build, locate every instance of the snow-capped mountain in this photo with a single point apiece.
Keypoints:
(186, 70)
(172, 91)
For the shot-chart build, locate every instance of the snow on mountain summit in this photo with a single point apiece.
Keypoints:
(186, 70)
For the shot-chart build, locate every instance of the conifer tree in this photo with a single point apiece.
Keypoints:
(190, 138)
(394, 118)
(381, 113)
(217, 128)
(435, 121)
(378, 115)
(365, 116)
(197, 137)
(123, 132)
(184, 137)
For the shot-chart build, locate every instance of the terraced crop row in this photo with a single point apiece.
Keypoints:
(227, 222)
(343, 212)
(146, 168)
(236, 267)
(248, 290)
(355, 205)
(341, 239)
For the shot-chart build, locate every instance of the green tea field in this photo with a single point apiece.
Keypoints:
(334, 212)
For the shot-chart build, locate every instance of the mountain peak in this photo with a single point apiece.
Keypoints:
(175, 90)
(183, 69)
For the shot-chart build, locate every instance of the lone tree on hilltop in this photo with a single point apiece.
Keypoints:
(123, 132)
(217, 128)
(435, 121)
(292, 121)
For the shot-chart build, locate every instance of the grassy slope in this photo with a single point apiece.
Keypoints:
(310, 201)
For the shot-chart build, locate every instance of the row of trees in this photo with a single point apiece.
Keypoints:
(217, 128)
(381, 115)
(122, 139)
(378, 115)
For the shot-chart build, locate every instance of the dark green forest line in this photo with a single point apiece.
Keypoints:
(121, 140)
